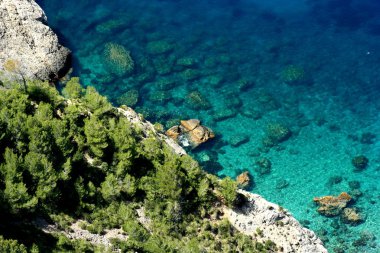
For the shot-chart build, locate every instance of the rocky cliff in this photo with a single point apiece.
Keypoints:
(29, 49)
(267, 221)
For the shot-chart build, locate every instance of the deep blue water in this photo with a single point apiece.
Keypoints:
(239, 66)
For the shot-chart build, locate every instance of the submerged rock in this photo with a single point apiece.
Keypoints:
(281, 184)
(117, 59)
(360, 162)
(352, 216)
(187, 62)
(196, 101)
(190, 133)
(237, 140)
(263, 166)
(28, 47)
(129, 98)
(223, 114)
(331, 205)
(278, 132)
(293, 74)
(159, 47)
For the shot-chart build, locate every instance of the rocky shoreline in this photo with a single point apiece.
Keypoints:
(30, 49)
(267, 221)
(256, 217)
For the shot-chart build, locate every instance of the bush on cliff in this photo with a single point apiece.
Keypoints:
(63, 160)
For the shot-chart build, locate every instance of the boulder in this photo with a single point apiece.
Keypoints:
(190, 124)
(173, 132)
(29, 49)
(200, 134)
(243, 179)
(332, 205)
(190, 133)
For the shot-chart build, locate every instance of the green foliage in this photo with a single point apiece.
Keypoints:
(15, 192)
(11, 246)
(43, 92)
(80, 158)
(96, 103)
(62, 220)
(96, 134)
(167, 181)
(204, 189)
(112, 188)
(135, 231)
(72, 89)
(228, 188)
(42, 175)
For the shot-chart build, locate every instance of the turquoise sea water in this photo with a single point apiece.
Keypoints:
(239, 66)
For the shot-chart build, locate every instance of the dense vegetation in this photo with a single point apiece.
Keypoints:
(70, 157)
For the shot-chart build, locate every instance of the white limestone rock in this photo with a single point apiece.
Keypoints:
(27, 42)
(267, 221)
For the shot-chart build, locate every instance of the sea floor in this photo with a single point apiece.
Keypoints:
(241, 67)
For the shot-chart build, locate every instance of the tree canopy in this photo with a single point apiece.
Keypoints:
(78, 157)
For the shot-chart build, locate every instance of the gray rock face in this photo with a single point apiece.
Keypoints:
(28, 47)
(267, 221)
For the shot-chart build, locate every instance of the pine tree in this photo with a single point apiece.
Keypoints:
(96, 135)
(73, 89)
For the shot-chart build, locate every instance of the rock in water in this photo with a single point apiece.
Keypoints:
(190, 124)
(243, 179)
(173, 132)
(352, 216)
(331, 205)
(28, 47)
(190, 133)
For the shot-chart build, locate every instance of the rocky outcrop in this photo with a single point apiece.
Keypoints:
(190, 133)
(243, 179)
(29, 49)
(267, 221)
(76, 232)
(331, 205)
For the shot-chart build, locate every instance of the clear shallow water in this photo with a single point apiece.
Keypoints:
(312, 67)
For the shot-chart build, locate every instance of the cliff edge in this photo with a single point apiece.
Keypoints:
(29, 49)
(267, 221)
